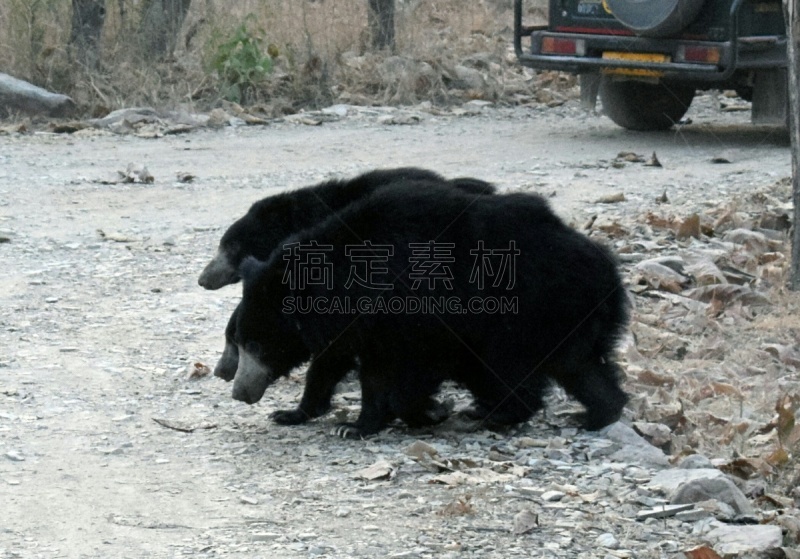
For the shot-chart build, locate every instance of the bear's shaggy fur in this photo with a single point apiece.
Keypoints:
(570, 310)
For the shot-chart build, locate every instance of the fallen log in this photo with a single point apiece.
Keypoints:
(19, 95)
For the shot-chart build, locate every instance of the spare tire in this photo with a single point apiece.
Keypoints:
(655, 18)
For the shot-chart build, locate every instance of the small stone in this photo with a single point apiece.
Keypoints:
(162, 461)
(608, 541)
(528, 442)
(552, 496)
(111, 451)
(15, 456)
(695, 462)
(693, 515)
(248, 500)
(342, 513)
(524, 522)
(264, 536)
(307, 536)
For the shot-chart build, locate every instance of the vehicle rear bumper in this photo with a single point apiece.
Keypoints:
(746, 54)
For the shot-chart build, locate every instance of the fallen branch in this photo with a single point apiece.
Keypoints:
(19, 95)
(182, 428)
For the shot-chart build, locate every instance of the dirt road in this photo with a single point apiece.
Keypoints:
(101, 314)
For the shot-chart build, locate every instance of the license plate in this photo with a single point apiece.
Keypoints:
(636, 57)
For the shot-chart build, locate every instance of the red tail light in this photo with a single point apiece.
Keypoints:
(701, 54)
(560, 45)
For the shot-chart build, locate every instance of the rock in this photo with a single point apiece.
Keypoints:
(745, 540)
(663, 511)
(14, 456)
(668, 481)
(468, 78)
(695, 462)
(719, 488)
(339, 110)
(607, 541)
(656, 434)
(717, 509)
(551, 496)
(634, 449)
(264, 536)
(693, 515)
(524, 522)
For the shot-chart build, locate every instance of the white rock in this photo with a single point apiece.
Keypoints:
(607, 540)
(741, 540)
(551, 496)
(669, 480)
(634, 448)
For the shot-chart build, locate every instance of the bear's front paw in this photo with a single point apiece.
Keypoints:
(289, 417)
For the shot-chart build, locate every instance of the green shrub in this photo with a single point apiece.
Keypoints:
(240, 63)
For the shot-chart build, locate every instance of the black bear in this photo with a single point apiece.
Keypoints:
(272, 219)
(268, 221)
(493, 292)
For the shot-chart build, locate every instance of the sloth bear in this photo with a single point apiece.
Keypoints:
(493, 292)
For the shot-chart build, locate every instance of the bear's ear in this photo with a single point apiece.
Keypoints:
(250, 268)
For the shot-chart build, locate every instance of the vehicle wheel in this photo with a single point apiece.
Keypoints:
(655, 18)
(639, 105)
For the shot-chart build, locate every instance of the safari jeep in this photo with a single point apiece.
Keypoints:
(647, 58)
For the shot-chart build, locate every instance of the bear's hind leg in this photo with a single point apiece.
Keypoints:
(419, 410)
(506, 402)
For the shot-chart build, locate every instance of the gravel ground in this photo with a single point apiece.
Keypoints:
(102, 318)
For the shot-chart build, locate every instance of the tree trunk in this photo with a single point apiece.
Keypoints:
(88, 17)
(381, 23)
(161, 24)
(792, 16)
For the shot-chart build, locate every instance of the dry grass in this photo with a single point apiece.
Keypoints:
(323, 46)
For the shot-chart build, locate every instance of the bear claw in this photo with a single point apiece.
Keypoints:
(347, 431)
